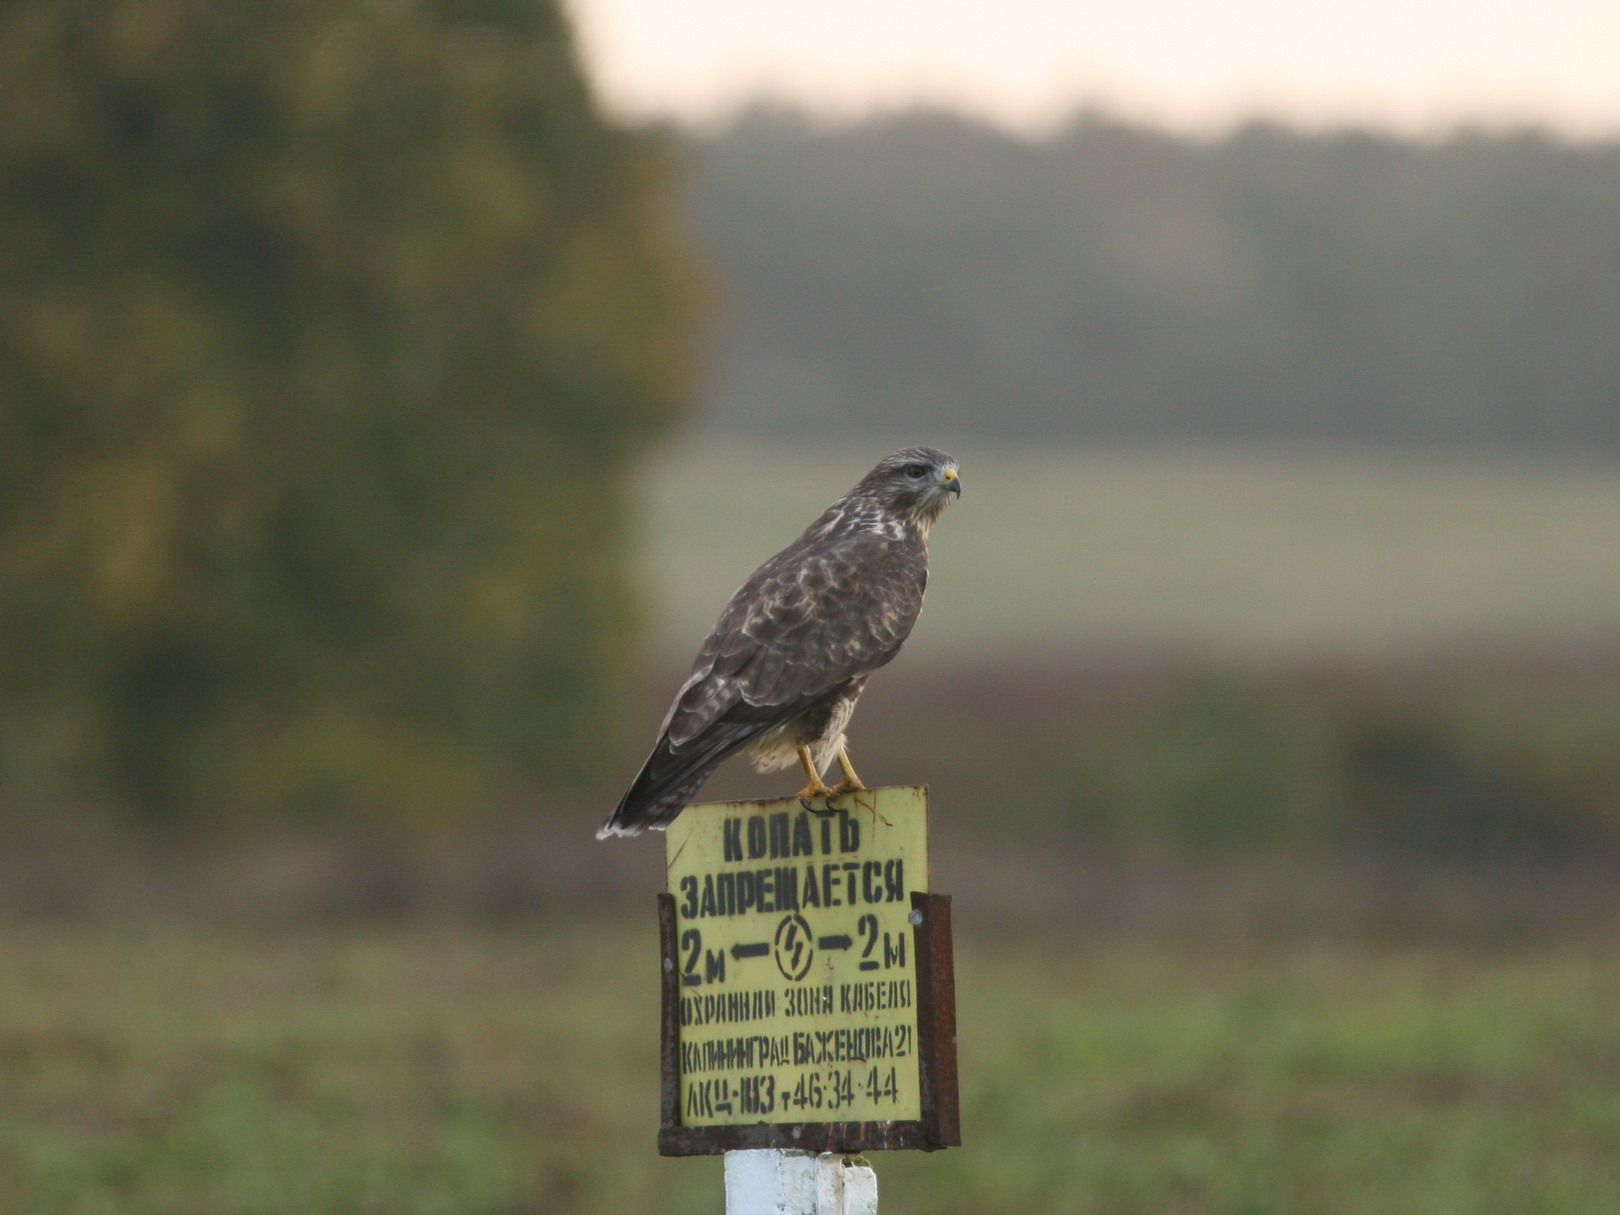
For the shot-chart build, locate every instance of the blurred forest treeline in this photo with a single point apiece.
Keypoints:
(328, 331)
(1115, 281)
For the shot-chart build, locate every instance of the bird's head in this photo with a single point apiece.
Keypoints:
(915, 483)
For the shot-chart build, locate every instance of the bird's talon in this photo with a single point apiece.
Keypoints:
(814, 786)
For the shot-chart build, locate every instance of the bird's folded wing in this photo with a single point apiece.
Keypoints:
(819, 612)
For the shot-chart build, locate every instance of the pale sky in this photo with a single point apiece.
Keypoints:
(1417, 66)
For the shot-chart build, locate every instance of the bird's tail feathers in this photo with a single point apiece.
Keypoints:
(610, 829)
(668, 780)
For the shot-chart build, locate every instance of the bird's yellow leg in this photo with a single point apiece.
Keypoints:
(851, 783)
(812, 786)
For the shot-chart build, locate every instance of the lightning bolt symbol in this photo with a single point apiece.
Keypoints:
(796, 945)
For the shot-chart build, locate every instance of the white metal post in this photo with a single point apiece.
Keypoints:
(772, 1182)
(844, 1187)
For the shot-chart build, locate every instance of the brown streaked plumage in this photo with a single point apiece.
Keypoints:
(782, 668)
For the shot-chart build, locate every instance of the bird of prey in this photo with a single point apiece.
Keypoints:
(781, 670)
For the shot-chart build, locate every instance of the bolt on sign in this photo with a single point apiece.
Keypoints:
(808, 994)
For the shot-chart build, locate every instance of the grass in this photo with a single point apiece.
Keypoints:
(1225, 550)
(420, 1071)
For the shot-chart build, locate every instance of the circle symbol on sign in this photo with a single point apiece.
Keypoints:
(794, 947)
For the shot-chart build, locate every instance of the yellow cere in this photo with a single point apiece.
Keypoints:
(797, 958)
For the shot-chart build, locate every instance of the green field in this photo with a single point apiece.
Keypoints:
(452, 1072)
(1223, 551)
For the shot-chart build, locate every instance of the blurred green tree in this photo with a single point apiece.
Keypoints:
(328, 332)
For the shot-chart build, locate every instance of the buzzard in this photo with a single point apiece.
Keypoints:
(781, 670)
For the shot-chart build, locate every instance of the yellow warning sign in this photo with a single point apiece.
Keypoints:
(796, 958)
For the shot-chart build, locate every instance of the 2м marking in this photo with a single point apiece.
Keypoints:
(714, 961)
(894, 945)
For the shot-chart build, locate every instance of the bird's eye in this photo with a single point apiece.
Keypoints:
(916, 470)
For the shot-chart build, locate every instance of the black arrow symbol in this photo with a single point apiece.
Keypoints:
(834, 942)
(758, 950)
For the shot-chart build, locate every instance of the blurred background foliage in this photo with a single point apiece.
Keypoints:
(327, 335)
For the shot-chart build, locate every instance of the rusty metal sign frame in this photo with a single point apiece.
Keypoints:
(940, 1124)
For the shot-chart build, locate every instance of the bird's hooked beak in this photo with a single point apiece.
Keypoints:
(951, 482)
